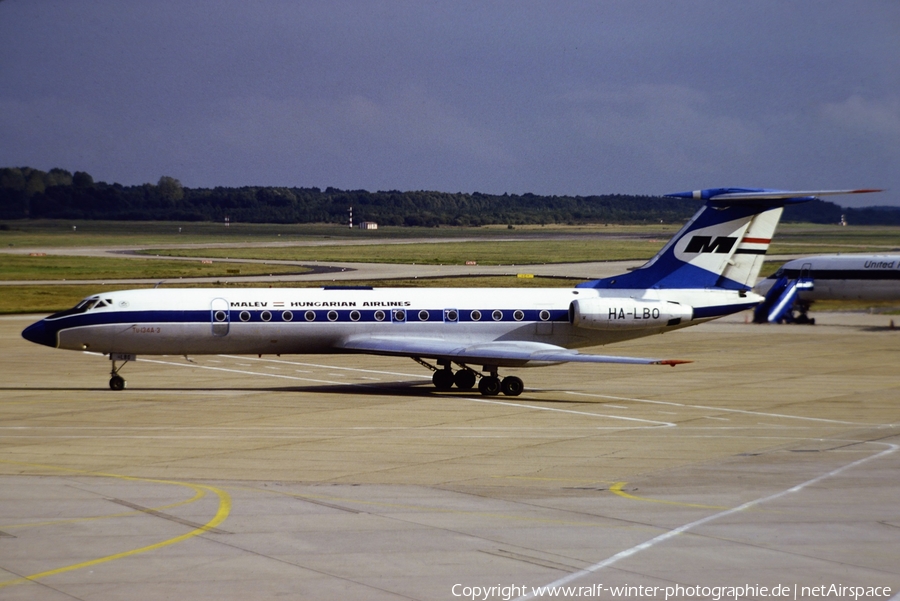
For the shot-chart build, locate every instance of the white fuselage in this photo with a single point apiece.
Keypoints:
(308, 320)
(842, 277)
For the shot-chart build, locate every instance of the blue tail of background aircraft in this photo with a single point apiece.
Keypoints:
(722, 246)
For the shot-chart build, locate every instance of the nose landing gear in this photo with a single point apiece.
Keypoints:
(444, 378)
(117, 382)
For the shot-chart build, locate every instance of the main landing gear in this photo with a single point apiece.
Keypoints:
(445, 378)
(802, 314)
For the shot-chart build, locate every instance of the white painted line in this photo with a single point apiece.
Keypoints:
(747, 412)
(369, 371)
(241, 371)
(689, 526)
(655, 423)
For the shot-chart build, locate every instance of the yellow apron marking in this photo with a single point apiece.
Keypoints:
(221, 514)
(426, 509)
(578, 480)
(616, 489)
(199, 495)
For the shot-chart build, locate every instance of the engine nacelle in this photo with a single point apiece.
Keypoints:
(626, 313)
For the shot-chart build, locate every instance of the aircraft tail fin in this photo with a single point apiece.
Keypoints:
(722, 246)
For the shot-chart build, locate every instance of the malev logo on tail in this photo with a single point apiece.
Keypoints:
(708, 244)
(711, 247)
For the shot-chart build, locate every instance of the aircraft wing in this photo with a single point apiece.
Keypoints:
(509, 353)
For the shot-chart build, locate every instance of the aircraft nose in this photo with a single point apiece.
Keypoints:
(39, 333)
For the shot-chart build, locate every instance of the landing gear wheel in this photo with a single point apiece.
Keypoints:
(117, 382)
(443, 379)
(464, 379)
(512, 386)
(489, 386)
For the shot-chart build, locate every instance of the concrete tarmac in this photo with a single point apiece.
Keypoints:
(771, 461)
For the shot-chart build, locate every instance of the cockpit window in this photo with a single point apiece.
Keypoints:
(82, 307)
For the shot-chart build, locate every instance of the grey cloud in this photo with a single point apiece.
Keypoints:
(574, 98)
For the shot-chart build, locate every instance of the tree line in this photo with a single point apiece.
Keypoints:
(27, 193)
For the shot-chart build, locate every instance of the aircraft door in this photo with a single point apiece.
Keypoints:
(805, 281)
(220, 316)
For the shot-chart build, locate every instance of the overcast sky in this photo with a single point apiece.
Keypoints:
(562, 97)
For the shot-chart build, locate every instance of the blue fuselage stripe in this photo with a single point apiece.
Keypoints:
(721, 310)
(841, 274)
(96, 318)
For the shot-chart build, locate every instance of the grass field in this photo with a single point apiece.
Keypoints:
(603, 246)
(791, 238)
(63, 233)
(497, 252)
(60, 233)
(56, 267)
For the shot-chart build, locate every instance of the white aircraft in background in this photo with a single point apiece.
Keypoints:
(798, 283)
(706, 271)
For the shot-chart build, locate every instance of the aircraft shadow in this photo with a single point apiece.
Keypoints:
(414, 389)
(881, 329)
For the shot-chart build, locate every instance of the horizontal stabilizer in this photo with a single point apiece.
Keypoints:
(741, 195)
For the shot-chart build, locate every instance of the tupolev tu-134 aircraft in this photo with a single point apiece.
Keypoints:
(707, 270)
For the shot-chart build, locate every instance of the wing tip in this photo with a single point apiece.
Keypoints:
(672, 362)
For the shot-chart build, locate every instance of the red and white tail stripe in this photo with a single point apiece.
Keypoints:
(753, 246)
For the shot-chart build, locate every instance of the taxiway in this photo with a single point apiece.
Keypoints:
(771, 460)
